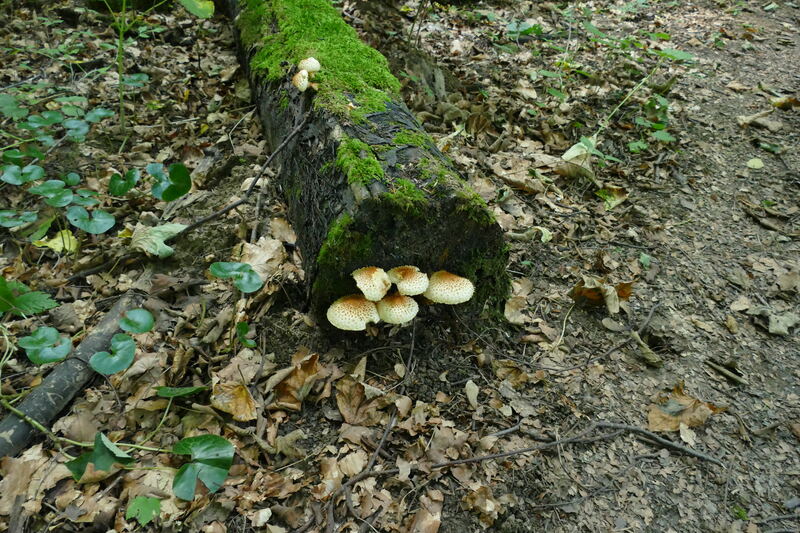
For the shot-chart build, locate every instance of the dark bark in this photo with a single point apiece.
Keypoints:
(419, 212)
(46, 401)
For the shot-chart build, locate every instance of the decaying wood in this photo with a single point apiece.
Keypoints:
(344, 224)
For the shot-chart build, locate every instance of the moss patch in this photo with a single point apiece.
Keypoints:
(412, 138)
(353, 74)
(407, 197)
(358, 162)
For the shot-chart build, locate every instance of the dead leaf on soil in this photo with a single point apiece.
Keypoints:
(591, 292)
(297, 383)
(429, 516)
(235, 399)
(483, 502)
(678, 408)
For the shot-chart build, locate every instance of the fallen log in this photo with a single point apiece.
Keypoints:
(69, 377)
(364, 184)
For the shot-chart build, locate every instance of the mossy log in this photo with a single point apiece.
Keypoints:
(364, 184)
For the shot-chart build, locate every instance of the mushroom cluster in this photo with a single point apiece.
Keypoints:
(355, 311)
(305, 72)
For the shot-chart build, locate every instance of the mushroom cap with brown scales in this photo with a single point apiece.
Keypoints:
(397, 308)
(300, 80)
(372, 281)
(447, 288)
(409, 280)
(352, 313)
(310, 65)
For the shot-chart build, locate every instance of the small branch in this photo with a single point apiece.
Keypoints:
(608, 352)
(250, 189)
(660, 440)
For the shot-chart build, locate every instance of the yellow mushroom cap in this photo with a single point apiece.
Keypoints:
(447, 288)
(373, 282)
(309, 64)
(409, 280)
(397, 309)
(352, 313)
(300, 80)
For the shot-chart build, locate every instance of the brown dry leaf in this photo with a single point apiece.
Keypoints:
(510, 371)
(31, 475)
(515, 310)
(293, 389)
(276, 485)
(234, 398)
(429, 516)
(354, 434)
(351, 399)
(353, 463)
(265, 256)
(679, 408)
(484, 503)
(591, 291)
(331, 478)
(244, 366)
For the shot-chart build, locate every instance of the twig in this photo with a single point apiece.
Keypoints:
(660, 440)
(237, 203)
(506, 431)
(608, 352)
(725, 372)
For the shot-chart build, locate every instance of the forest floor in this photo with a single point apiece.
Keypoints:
(649, 350)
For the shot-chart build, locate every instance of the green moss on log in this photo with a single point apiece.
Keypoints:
(358, 162)
(407, 197)
(354, 80)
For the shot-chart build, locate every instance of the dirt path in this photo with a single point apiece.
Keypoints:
(722, 240)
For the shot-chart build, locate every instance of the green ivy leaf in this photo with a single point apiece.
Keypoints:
(54, 193)
(73, 110)
(76, 129)
(211, 458)
(85, 198)
(47, 118)
(135, 80)
(45, 345)
(11, 219)
(637, 146)
(137, 321)
(119, 186)
(103, 456)
(143, 509)
(199, 8)
(123, 350)
(10, 108)
(242, 329)
(72, 179)
(676, 55)
(175, 392)
(14, 156)
(99, 222)
(663, 136)
(171, 186)
(97, 114)
(244, 277)
(14, 175)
